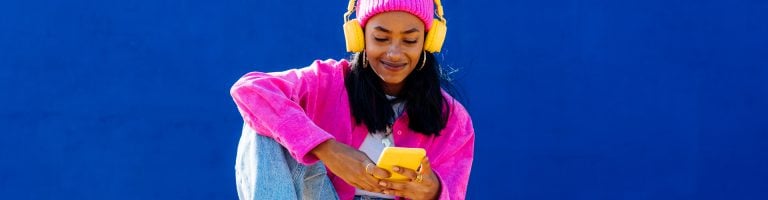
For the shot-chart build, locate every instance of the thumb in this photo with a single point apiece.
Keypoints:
(425, 168)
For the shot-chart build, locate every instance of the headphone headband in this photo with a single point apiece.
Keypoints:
(435, 27)
(438, 11)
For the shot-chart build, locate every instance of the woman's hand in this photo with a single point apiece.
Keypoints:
(423, 184)
(351, 165)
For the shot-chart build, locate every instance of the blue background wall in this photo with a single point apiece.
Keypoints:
(589, 99)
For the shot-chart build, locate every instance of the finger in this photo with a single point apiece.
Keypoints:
(371, 189)
(362, 181)
(380, 173)
(369, 167)
(394, 185)
(394, 193)
(411, 174)
(373, 183)
(371, 177)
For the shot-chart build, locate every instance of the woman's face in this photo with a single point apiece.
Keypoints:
(393, 44)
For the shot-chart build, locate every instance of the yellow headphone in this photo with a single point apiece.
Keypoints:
(353, 31)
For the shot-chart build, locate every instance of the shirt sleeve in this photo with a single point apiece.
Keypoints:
(271, 104)
(454, 164)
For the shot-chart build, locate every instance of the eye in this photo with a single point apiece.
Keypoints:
(411, 41)
(380, 39)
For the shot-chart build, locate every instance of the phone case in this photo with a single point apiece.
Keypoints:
(400, 156)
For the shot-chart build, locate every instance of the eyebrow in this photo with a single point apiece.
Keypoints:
(382, 29)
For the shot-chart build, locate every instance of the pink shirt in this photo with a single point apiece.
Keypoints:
(301, 108)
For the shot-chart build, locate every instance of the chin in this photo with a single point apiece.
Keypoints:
(390, 77)
(392, 80)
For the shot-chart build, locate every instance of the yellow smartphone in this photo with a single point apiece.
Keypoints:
(400, 156)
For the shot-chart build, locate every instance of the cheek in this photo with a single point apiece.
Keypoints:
(373, 54)
(415, 55)
(415, 52)
(373, 51)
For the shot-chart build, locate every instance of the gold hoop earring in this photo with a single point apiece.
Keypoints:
(423, 60)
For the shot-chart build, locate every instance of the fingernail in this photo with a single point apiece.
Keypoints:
(397, 169)
(382, 183)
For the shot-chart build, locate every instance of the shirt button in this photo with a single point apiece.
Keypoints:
(399, 132)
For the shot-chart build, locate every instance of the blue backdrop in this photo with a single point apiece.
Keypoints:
(571, 99)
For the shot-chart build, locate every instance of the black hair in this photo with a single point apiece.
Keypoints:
(427, 108)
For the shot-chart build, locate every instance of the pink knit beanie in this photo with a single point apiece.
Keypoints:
(423, 9)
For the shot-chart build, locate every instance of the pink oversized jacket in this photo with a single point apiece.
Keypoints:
(301, 108)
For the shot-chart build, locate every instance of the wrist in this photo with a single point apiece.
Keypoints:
(437, 194)
(438, 191)
(321, 150)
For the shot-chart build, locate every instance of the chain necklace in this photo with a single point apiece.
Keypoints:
(386, 141)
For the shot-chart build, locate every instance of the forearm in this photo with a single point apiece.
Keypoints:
(323, 150)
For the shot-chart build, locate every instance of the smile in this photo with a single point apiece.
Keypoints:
(393, 66)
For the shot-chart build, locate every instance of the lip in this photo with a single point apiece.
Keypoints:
(393, 66)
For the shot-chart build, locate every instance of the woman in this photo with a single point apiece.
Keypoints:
(344, 113)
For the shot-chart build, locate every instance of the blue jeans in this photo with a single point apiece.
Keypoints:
(265, 170)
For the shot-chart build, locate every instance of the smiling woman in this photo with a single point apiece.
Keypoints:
(395, 42)
(344, 113)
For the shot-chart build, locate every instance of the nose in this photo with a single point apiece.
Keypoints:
(394, 53)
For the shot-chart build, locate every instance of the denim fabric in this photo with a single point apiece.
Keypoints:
(264, 170)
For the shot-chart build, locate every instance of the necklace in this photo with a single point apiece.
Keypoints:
(386, 141)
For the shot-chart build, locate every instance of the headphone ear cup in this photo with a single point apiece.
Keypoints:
(353, 34)
(435, 37)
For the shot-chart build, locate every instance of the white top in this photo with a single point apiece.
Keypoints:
(374, 144)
